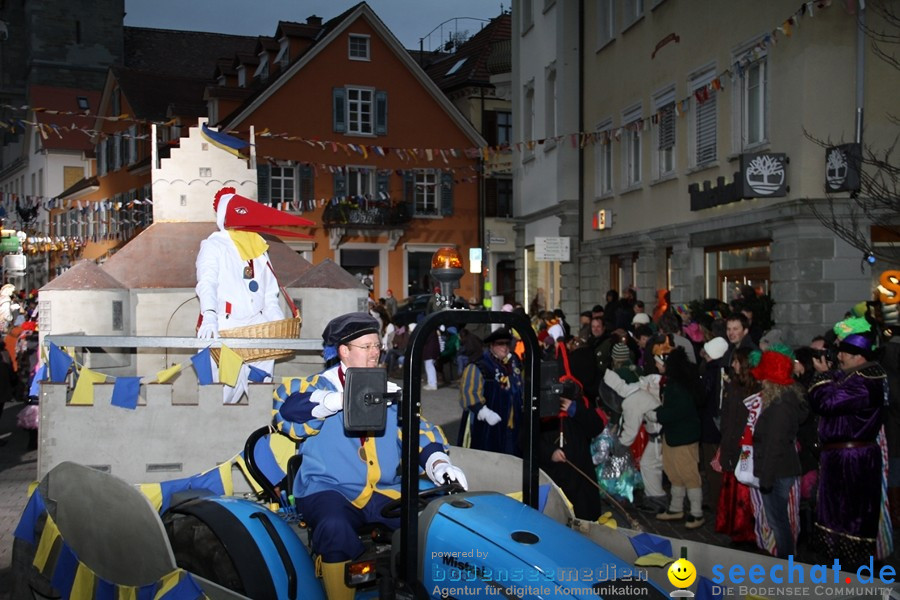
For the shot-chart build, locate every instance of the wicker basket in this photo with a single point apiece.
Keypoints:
(285, 328)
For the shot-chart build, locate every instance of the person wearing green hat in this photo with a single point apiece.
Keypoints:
(850, 402)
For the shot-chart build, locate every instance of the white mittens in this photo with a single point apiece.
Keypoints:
(440, 470)
(488, 416)
(209, 327)
(329, 403)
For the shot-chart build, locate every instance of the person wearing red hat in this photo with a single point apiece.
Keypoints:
(236, 284)
(775, 459)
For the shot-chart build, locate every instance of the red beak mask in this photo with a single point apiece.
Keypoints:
(237, 212)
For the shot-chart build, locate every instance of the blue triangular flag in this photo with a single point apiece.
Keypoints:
(33, 510)
(257, 375)
(126, 391)
(39, 376)
(647, 543)
(706, 590)
(203, 367)
(59, 364)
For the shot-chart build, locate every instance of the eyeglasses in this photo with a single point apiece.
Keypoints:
(367, 347)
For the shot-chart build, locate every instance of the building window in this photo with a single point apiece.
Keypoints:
(504, 127)
(359, 110)
(664, 152)
(426, 192)
(550, 105)
(527, 15)
(631, 146)
(753, 103)
(606, 22)
(731, 267)
(282, 183)
(262, 70)
(633, 10)
(359, 47)
(83, 103)
(242, 76)
(703, 118)
(360, 181)
(603, 153)
(498, 197)
(284, 53)
(528, 121)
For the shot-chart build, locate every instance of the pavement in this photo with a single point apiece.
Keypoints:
(18, 468)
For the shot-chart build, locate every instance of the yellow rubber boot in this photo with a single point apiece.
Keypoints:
(333, 579)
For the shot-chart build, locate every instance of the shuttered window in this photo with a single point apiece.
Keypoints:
(664, 110)
(631, 146)
(705, 114)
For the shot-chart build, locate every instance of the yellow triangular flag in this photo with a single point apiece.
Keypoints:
(654, 559)
(607, 519)
(167, 374)
(229, 366)
(84, 389)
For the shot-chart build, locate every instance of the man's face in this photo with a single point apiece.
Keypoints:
(584, 320)
(642, 341)
(850, 361)
(500, 349)
(597, 327)
(364, 351)
(735, 332)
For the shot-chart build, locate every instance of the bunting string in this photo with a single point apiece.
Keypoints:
(126, 390)
(768, 39)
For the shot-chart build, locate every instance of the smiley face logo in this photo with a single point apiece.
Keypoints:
(682, 573)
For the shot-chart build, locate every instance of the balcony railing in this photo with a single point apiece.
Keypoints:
(362, 213)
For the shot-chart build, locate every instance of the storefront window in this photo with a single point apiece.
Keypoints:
(730, 268)
(542, 283)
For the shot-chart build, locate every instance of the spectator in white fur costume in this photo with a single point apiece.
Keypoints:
(7, 306)
(236, 284)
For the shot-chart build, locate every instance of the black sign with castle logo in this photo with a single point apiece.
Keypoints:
(762, 175)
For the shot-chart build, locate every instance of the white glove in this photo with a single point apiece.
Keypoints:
(392, 387)
(14, 307)
(489, 416)
(329, 403)
(209, 327)
(438, 467)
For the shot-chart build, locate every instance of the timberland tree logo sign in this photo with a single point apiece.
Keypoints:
(763, 175)
(842, 168)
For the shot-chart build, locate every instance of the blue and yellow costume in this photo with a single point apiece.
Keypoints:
(344, 480)
(496, 384)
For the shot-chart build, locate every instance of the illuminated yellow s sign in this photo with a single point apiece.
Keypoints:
(889, 287)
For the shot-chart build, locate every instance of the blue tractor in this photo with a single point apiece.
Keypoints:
(89, 534)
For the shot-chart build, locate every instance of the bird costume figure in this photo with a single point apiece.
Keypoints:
(236, 284)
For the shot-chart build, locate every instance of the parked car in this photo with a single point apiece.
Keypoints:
(409, 309)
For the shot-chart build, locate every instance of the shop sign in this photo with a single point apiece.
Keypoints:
(10, 244)
(842, 165)
(762, 175)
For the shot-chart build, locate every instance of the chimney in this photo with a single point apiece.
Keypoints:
(314, 20)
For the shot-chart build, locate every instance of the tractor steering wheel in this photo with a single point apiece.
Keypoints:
(391, 510)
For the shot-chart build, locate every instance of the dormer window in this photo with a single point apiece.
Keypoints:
(284, 55)
(242, 76)
(359, 47)
(456, 67)
(262, 71)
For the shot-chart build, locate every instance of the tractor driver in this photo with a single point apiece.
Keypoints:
(345, 480)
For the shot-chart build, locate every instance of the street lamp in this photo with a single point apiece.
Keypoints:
(446, 269)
